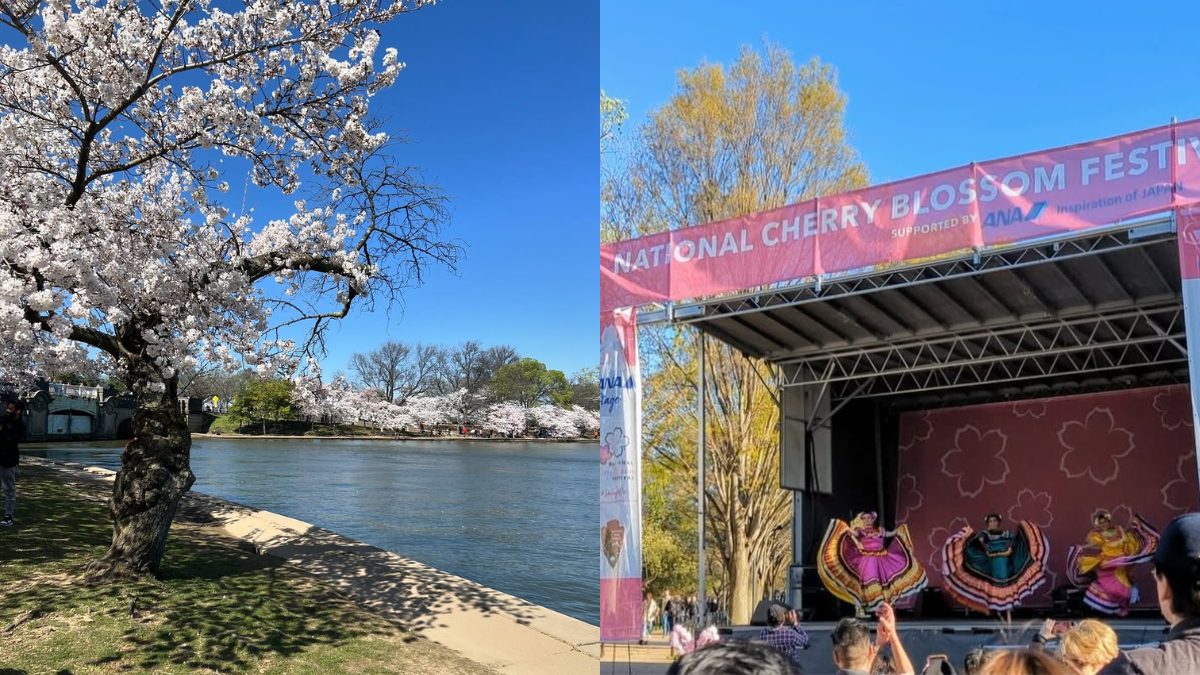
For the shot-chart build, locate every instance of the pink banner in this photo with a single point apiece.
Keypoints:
(989, 204)
(620, 479)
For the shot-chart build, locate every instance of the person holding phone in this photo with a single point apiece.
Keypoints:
(1088, 646)
(853, 652)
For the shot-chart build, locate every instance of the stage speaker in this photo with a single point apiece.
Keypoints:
(807, 452)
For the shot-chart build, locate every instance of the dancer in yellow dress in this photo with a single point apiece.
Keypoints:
(1106, 562)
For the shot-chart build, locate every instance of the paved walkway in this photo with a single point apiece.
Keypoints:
(493, 628)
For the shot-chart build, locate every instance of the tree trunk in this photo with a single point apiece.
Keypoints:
(154, 475)
(743, 598)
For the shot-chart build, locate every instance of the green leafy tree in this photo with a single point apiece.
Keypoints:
(757, 134)
(528, 383)
(612, 116)
(585, 388)
(263, 401)
(668, 532)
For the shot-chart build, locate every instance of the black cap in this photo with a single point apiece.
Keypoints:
(777, 614)
(1179, 545)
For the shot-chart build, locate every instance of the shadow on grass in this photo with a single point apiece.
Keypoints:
(415, 596)
(216, 605)
(56, 521)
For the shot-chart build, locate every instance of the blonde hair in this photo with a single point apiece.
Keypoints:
(1091, 642)
(1024, 662)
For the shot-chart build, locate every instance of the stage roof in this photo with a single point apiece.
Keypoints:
(1088, 313)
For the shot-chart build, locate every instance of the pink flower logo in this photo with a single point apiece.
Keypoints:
(1034, 409)
(1174, 407)
(977, 459)
(614, 445)
(1033, 507)
(910, 498)
(1094, 446)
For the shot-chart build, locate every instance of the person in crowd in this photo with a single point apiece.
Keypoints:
(974, 660)
(734, 658)
(853, 652)
(666, 613)
(1105, 564)
(783, 632)
(865, 565)
(883, 664)
(649, 615)
(1024, 662)
(1088, 646)
(678, 610)
(1177, 581)
(995, 569)
(12, 430)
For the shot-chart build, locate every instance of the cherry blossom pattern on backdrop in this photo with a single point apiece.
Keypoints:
(977, 459)
(1095, 446)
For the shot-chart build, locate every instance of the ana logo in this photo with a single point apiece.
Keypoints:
(1013, 216)
(614, 445)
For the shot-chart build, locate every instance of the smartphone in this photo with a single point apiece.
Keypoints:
(1061, 627)
(937, 664)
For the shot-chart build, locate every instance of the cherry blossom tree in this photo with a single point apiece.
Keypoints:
(586, 421)
(122, 125)
(506, 418)
(555, 421)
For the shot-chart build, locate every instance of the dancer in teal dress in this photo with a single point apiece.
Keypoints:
(995, 569)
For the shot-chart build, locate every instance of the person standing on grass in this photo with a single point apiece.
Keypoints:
(649, 615)
(12, 430)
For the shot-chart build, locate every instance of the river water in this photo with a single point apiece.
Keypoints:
(518, 517)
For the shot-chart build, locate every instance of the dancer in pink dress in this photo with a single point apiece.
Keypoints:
(866, 566)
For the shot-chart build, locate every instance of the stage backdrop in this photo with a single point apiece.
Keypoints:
(1052, 462)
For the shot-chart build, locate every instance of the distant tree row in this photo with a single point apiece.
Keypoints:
(263, 401)
(400, 370)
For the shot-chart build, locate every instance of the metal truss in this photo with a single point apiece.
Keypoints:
(978, 348)
(793, 293)
(999, 372)
(1030, 366)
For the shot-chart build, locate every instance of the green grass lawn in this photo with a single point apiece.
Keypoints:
(217, 608)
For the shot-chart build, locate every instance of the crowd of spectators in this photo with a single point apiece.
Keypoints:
(1088, 647)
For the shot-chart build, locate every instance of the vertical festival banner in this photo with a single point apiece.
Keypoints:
(620, 479)
(1185, 192)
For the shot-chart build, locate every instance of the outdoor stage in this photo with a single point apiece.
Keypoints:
(921, 639)
(1008, 336)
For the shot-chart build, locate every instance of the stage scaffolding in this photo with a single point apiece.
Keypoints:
(1094, 311)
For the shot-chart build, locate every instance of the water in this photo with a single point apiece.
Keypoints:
(518, 517)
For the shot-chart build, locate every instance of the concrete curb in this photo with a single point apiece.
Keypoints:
(485, 625)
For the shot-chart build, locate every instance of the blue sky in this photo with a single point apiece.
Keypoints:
(499, 102)
(935, 87)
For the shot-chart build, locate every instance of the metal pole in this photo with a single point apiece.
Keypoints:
(701, 595)
(879, 469)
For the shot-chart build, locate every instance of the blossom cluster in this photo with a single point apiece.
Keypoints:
(123, 125)
(339, 402)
